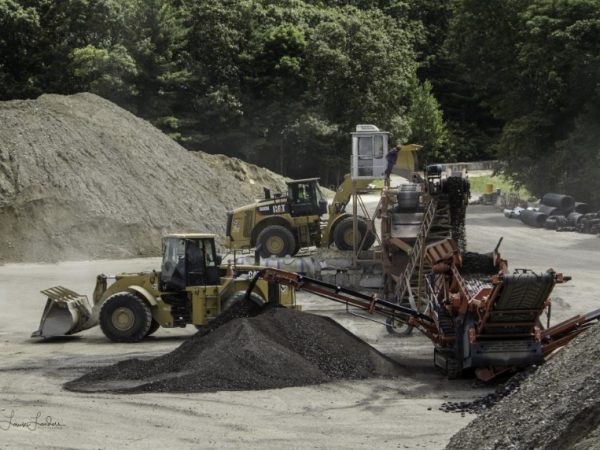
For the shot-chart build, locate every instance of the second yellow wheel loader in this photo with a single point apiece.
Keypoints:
(282, 224)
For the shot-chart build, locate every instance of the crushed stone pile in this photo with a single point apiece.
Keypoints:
(477, 264)
(275, 349)
(556, 407)
(82, 178)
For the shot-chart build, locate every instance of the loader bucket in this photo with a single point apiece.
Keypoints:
(66, 312)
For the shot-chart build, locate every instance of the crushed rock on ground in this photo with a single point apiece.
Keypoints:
(556, 407)
(81, 178)
(484, 403)
(275, 349)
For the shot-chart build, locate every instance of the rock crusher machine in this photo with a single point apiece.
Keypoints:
(490, 326)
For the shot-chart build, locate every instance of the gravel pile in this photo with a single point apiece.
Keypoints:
(278, 348)
(82, 178)
(477, 264)
(556, 407)
(484, 403)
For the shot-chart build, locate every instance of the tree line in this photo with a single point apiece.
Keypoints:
(281, 83)
(536, 68)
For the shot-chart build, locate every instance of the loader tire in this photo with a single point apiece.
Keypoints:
(343, 234)
(276, 240)
(153, 327)
(124, 317)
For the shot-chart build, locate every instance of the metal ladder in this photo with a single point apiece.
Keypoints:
(403, 284)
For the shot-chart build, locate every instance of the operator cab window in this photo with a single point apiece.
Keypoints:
(210, 253)
(195, 256)
(304, 199)
(366, 151)
(321, 200)
(189, 262)
(365, 148)
(304, 194)
(320, 196)
(212, 275)
(299, 193)
(378, 151)
(173, 272)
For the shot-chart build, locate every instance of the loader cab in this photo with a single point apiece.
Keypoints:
(189, 260)
(305, 198)
(369, 152)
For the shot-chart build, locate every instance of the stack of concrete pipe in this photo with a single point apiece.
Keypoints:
(552, 206)
(533, 218)
(561, 212)
(558, 207)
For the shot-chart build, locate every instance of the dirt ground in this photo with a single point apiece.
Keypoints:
(35, 412)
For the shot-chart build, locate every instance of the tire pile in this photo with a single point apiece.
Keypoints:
(278, 348)
(562, 213)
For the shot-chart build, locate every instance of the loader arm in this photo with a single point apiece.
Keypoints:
(337, 208)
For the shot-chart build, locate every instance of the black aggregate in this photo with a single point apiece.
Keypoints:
(275, 349)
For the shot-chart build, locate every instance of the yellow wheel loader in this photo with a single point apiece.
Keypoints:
(282, 224)
(192, 287)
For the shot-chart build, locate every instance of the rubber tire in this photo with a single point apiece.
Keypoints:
(405, 330)
(153, 327)
(344, 228)
(141, 314)
(276, 231)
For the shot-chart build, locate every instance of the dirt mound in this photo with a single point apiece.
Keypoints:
(278, 348)
(556, 407)
(82, 178)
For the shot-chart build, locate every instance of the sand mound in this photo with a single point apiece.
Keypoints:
(556, 407)
(278, 348)
(82, 178)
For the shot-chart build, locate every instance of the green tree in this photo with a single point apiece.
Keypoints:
(37, 39)
(538, 70)
(484, 37)
(19, 33)
(559, 68)
(281, 83)
(469, 124)
(271, 72)
(578, 157)
(107, 72)
(361, 66)
(427, 126)
(157, 41)
(213, 110)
